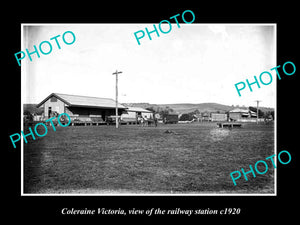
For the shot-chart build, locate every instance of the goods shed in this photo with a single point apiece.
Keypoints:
(80, 108)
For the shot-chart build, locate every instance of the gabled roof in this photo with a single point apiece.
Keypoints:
(238, 110)
(84, 101)
(243, 111)
(138, 109)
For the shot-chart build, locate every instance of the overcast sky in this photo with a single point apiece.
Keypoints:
(195, 63)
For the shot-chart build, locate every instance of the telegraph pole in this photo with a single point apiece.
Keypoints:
(117, 119)
(257, 101)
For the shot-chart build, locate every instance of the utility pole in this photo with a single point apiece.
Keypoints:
(117, 117)
(257, 101)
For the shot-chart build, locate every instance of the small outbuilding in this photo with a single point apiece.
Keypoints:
(131, 114)
(241, 114)
(218, 116)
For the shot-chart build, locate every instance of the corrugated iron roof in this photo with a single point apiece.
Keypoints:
(138, 109)
(238, 110)
(87, 101)
(243, 111)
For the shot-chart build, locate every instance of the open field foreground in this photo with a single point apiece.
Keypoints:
(190, 159)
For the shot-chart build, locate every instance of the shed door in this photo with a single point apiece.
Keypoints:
(49, 111)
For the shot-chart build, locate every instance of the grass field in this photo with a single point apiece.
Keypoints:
(193, 158)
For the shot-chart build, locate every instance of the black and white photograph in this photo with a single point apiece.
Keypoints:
(164, 109)
(150, 112)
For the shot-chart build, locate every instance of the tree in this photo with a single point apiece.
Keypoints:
(28, 115)
(273, 114)
(186, 117)
(269, 115)
(196, 112)
(261, 114)
(165, 111)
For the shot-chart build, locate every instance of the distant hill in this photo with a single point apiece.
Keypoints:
(202, 107)
(185, 107)
(189, 107)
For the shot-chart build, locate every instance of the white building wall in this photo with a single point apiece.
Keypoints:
(57, 106)
(147, 115)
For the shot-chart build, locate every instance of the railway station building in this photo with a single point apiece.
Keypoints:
(80, 108)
